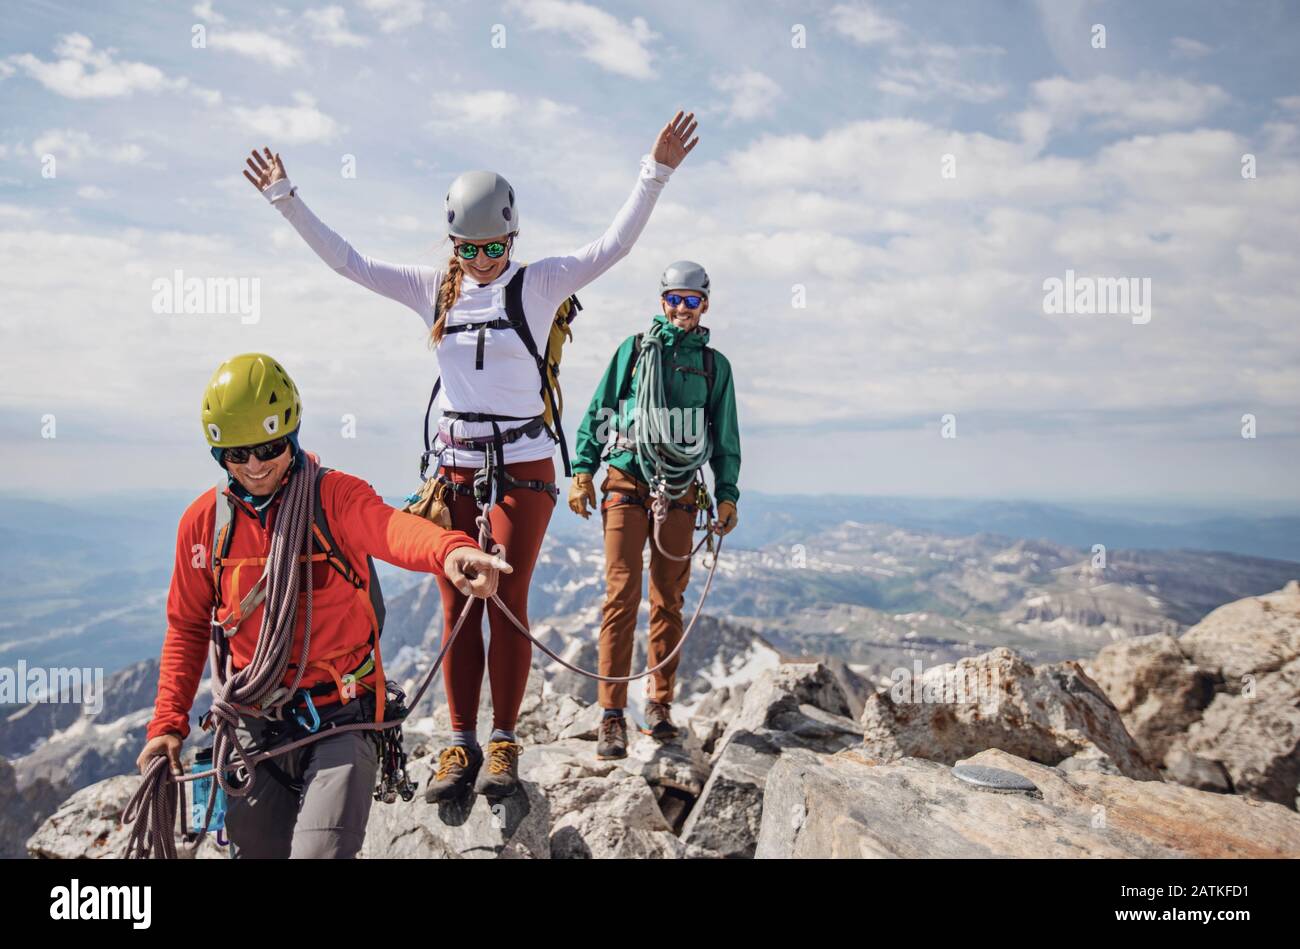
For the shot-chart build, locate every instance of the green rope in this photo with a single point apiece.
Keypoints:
(674, 465)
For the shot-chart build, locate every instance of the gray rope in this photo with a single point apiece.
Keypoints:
(674, 465)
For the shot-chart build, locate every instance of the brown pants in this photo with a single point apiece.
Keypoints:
(627, 528)
(519, 522)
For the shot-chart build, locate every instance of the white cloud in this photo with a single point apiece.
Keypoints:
(395, 15)
(753, 95)
(916, 68)
(863, 24)
(72, 145)
(896, 162)
(83, 72)
(330, 26)
(494, 106)
(403, 222)
(93, 193)
(256, 45)
(937, 72)
(1116, 103)
(210, 96)
(1185, 47)
(604, 39)
(204, 11)
(292, 125)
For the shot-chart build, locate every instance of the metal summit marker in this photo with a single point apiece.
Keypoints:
(996, 780)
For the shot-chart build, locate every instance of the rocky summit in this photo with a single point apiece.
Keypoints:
(1157, 746)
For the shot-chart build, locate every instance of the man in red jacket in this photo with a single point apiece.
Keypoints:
(313, 801)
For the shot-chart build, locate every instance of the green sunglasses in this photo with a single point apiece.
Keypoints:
(493, 249)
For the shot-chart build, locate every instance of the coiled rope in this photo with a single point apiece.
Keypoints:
(674, 463)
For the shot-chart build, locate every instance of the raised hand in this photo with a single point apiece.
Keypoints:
(267, 169)
(671, 145)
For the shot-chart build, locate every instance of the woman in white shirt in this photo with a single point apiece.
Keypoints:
(491, 407)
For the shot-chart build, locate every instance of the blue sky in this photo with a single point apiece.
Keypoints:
(818, 166)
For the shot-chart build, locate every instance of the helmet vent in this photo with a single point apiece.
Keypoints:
(273, 399)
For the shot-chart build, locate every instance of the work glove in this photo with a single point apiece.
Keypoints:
(581, 493)
(727, 518)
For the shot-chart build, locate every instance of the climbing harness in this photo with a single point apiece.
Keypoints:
(548, 369)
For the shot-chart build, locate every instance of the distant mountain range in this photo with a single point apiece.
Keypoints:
(83, 582)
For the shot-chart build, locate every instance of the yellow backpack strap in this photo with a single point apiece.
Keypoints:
(514, 303)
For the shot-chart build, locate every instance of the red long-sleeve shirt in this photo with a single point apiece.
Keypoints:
(361, 524)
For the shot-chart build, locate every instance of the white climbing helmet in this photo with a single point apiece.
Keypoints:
(684, 275)
(481, 205)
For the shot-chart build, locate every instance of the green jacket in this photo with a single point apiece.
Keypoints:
(685, 389)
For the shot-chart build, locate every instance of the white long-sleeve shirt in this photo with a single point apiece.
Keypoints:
(508, 383)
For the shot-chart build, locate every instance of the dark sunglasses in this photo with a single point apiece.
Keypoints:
(264, 452)
(692, 301)
(493, 249)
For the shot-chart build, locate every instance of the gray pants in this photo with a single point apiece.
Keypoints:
(327, 819)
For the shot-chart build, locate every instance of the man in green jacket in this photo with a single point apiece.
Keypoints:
(685, 416)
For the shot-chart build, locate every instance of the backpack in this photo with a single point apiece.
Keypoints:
(548, 359)
(322, 543)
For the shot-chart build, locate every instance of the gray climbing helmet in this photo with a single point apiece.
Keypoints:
(684, 275)
(480, 205)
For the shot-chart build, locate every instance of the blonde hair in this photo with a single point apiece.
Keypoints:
(448, 294)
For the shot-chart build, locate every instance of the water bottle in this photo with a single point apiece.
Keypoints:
(201, 788)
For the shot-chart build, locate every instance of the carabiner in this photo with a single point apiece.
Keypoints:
(311, 707)
(482, 486)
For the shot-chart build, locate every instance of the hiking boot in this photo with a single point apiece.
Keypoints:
(458, 766)
(613, 738)
(658, 722)
(501, 776)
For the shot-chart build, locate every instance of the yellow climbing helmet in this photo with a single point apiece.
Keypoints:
(249, 400)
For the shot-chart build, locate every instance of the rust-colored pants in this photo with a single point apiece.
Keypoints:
(627, 528)
(519, 523)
